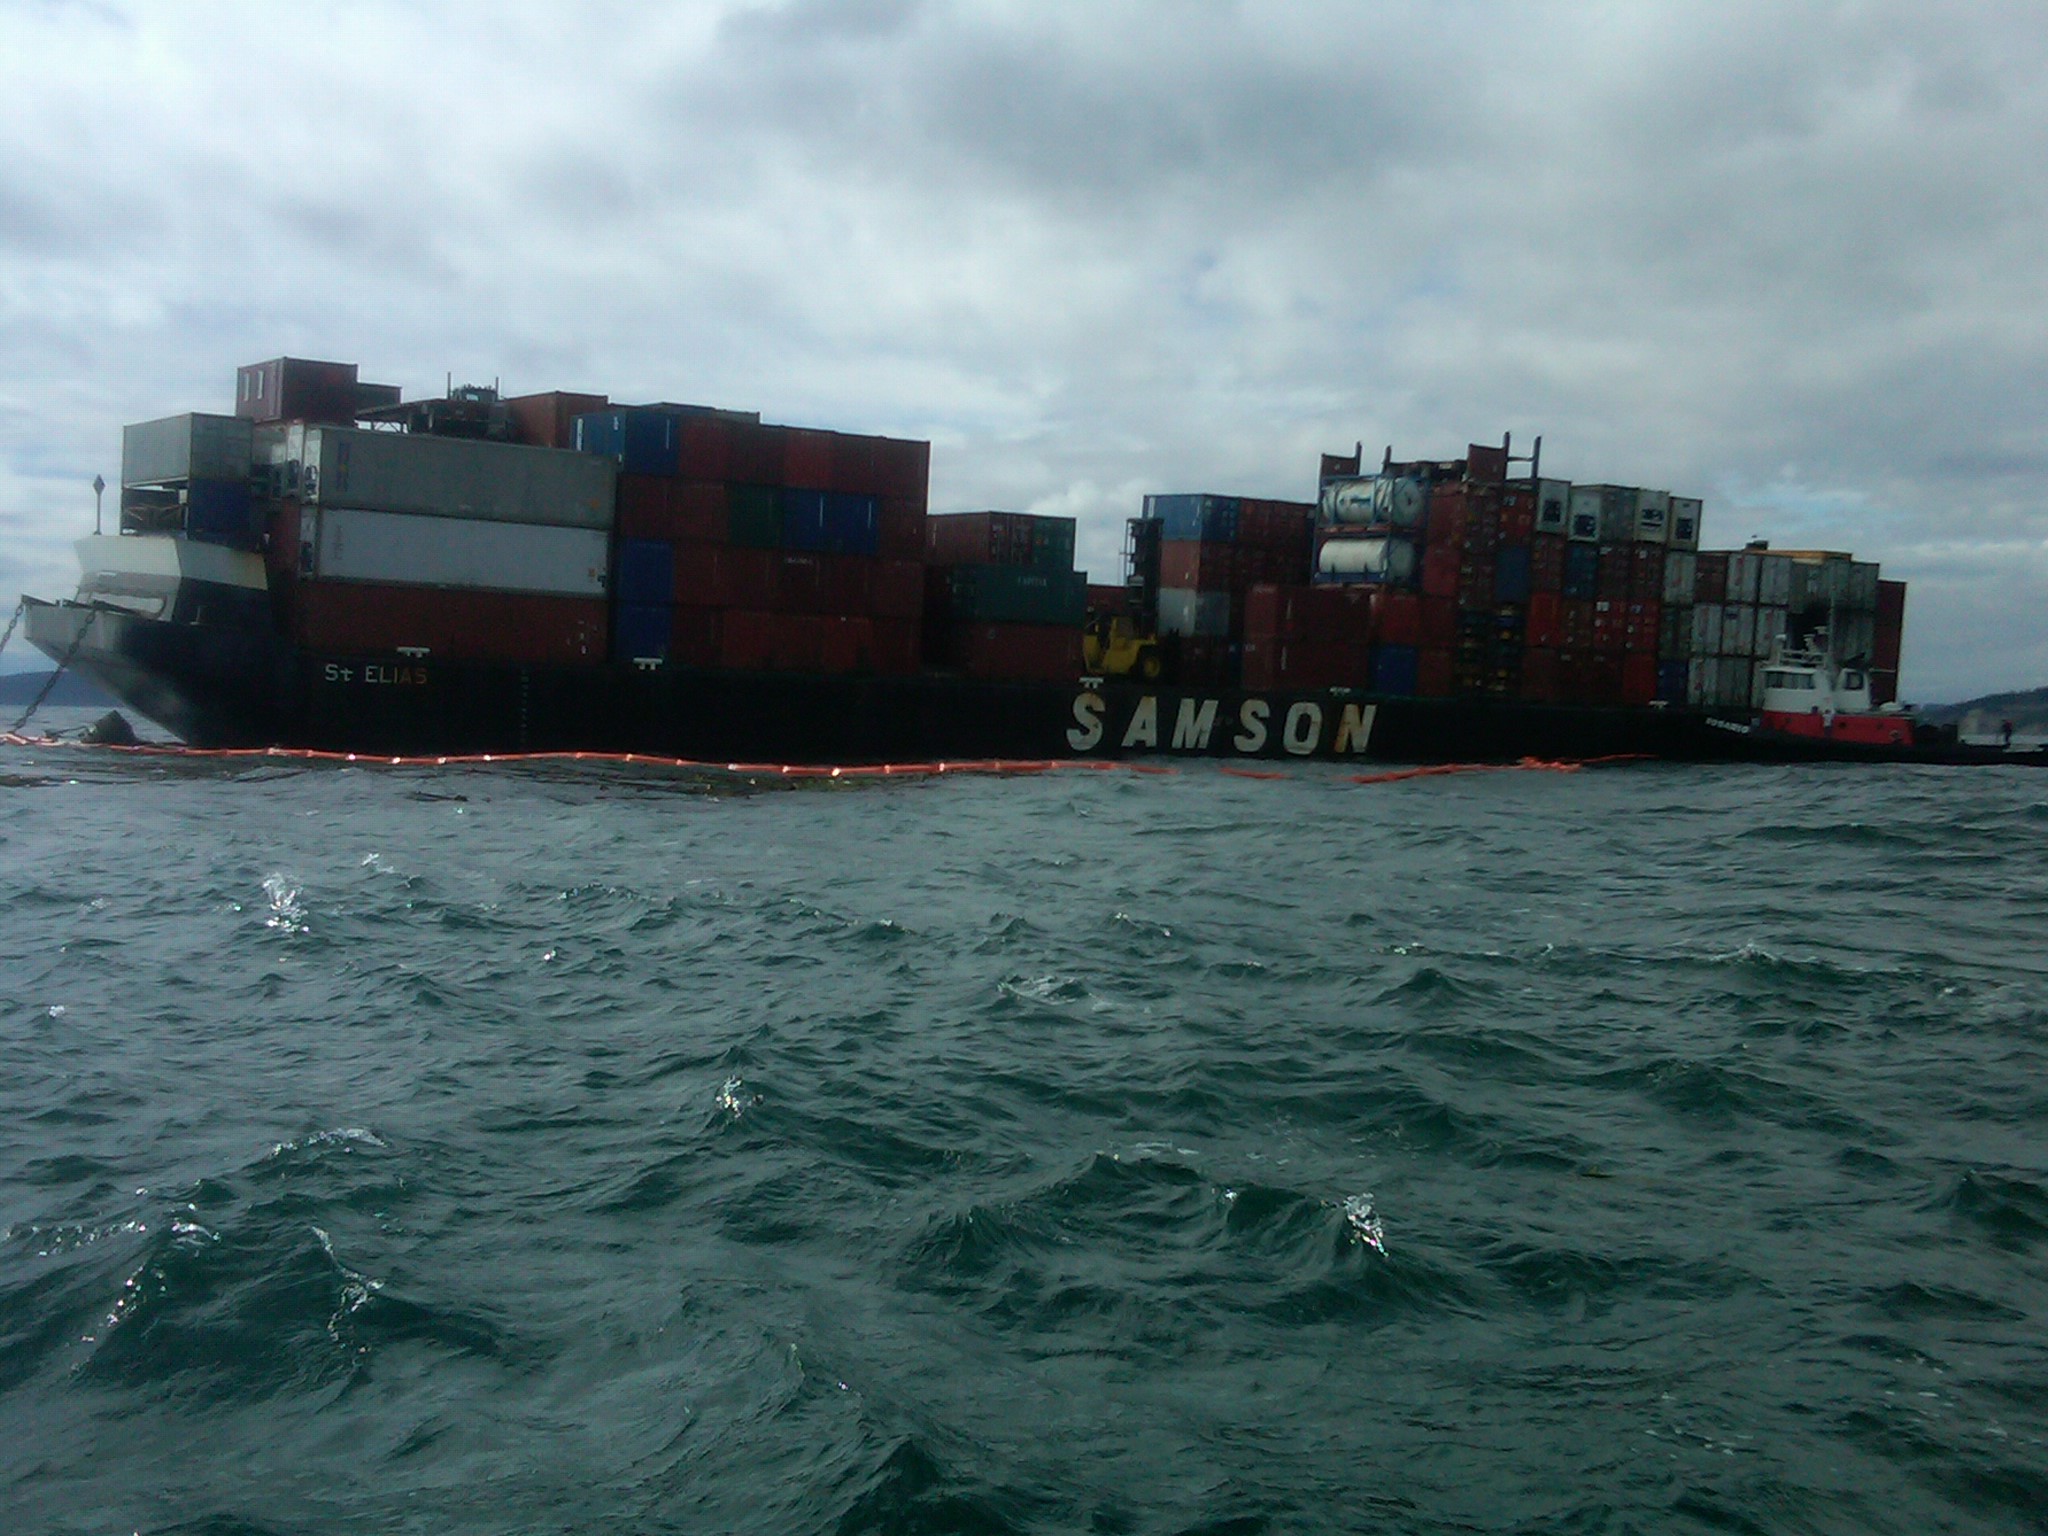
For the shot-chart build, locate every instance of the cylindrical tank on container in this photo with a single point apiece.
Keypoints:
(1387, 560)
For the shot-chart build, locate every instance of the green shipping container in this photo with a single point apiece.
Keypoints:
(754, 516)
(1018, 594)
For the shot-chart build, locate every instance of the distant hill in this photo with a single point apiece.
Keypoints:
(2027, 710)
(17, 688)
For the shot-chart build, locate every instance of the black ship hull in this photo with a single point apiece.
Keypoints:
(233, 687)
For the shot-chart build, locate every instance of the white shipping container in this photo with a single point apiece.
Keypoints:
(1685, 521)
(194, 446)
(1653, 517)
(1585, 514)
(1388, 560)
(352, 544)
(451, 477)
(1553, 506)
(1681, 571)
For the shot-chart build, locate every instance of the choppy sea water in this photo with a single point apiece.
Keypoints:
(541, 1149)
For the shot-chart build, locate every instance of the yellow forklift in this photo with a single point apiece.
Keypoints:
(1124, 641)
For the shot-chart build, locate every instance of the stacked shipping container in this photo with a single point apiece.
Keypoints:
(1002, 597)
(758, 547)
(1211, 553)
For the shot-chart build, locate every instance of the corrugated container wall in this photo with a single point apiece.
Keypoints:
(194, 446)
(353, 544)
(452, 477)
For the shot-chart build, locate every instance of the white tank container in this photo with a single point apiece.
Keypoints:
(1392, 561)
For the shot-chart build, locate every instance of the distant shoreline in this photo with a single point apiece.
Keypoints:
(72, 691)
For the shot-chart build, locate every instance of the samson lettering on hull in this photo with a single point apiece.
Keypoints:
(1224, 725)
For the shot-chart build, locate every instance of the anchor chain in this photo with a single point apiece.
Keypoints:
(19, 609)
(50, 682)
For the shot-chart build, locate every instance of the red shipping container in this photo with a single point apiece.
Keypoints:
(1646, 571)
(721, 576)
(1543, 626)
(1546, 562)
(674, 511)
(982, 538)
(1638, 679)
(1642, 626)
(1489, 465)
(847, 645)
(807, 458)
(1575, 624)
(1399, 618)
(900, 532)
(1539, 675)
(1203, 567)
(1617, 568)
(694, 637)
(1339, 613)
(1603, 678)
(1517, 514)
(855, 469)
(357, 618)
(281, 544)
(753, 641)
(1609, 627)
(898, 645)
(549, 420)
(1434, 673)
(1710, 577)
(896, 590)
(1891, 631)
(1047, 652)
(799, 583)
(903, 468)
(705, 448)
(1439, 621)
(1440, 570)
(755, 453)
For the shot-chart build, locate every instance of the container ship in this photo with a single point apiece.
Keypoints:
(332, 567)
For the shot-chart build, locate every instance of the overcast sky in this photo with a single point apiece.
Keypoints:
(1786, 257)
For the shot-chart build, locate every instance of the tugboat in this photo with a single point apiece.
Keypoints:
(1808, 694)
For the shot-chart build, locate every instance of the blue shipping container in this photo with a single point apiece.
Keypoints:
(222, 512)
(1582, 570)
(851, 523)
(640, 631)
(647, 571)
(803, 518)
(1396, 669)
(1203, 519)
(1511, 574)
(643, 442)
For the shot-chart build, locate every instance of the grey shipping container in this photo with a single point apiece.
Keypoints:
(1742, 576)
(1585, 514)
(1774, 580)
(450, 477)
(354, 544)
(1706, 630)
(1681, 574)
(1770, 628)
(1184, 611)
(1862, 595)
(189, 447)
(1738, 629)
(1674, 636)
